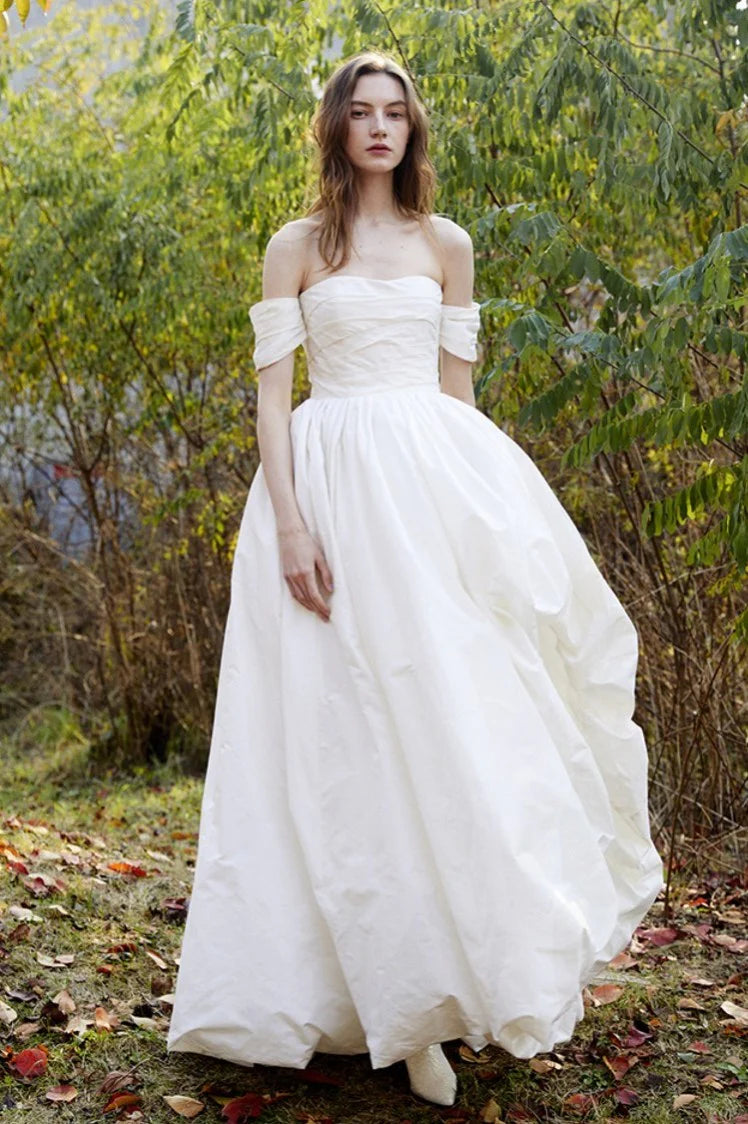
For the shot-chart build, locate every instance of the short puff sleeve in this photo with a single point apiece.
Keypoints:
(458, 329)
(279, 328)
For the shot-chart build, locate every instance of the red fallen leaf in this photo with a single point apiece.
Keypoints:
(658, 937)
(580, 1102)
(699, 1047)
(249, 1107)
(124, 946)
(316, 1077)
(121, 1100)
(124, 867)
(635, 1037)
(31, 1062)
(626, 1096)
(41, 885)
(61, 1093)
(105, 969)
(620, 1065)
(18, 866)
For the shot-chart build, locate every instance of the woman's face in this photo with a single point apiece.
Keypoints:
(377, 115)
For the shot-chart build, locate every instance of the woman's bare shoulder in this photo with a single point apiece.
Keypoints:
(450, 233)
(286, 257)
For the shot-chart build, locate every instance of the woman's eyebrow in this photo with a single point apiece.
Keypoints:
(357, 101)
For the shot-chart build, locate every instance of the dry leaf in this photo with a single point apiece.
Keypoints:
(157, 960)
(687, 1004)
(491, 1112)
(65, 1002)
(739, 1014)
(118, 1079)
(7, 1014)
(606, 993)
(185, 1106)
(543, 1065)
(120, 1101)
(683, 1099)
(468, 1055)
(103, 1020)
(61, 1093)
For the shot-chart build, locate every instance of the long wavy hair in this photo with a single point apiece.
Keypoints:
(414, 179)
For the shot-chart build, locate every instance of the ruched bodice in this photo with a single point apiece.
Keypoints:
(363, 335)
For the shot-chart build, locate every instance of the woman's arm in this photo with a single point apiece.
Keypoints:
(457, 255)
(283, 273)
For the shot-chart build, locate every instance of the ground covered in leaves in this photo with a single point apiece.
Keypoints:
(95, 879)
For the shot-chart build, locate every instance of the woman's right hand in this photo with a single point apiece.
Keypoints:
(301, 556)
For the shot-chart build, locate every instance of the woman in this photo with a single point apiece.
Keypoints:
(425, 810)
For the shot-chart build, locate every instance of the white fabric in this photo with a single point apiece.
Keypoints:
(426, 818)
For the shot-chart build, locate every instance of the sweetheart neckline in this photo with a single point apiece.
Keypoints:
(377, 280)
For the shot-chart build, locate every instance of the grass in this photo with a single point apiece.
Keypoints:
(88, 956)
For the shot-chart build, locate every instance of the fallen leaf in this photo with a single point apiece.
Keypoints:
(65, 1002)
(468, 1055)
(61, 1093)
(61, 961)
(543, 1065)
(739, 1014)
(626, 1096)
(118, 1079)
(124, 867)
(699, 1047)
(620, 1065)
(685, 1003)
(490, 1112)
(316, 1077)
(103, 1020)
(248, 1107)
(31, 1062)
(7, 1014)
(21, 913)
(623, 961)
(157, 960)
(606, 993)
(185, 1106)
(658, 937)
(121, 1100)
(683, 1099)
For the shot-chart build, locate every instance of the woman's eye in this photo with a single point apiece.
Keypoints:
(362, 112)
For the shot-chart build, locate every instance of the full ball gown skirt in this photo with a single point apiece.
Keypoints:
(426, 818)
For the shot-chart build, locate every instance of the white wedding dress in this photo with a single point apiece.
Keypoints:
(425, 818)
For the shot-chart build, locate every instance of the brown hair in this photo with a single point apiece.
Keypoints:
(414, 179)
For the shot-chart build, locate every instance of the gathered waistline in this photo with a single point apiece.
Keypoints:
(365, 392)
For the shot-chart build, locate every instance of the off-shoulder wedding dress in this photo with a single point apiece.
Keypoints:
(425, 818)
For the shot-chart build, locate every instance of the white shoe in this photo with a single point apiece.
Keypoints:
(431, 1075)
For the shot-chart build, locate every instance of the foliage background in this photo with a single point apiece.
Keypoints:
(597, 154)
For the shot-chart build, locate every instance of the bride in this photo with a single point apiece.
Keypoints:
(425, 811)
